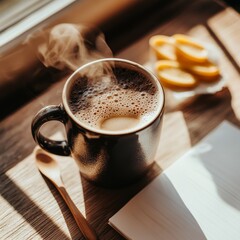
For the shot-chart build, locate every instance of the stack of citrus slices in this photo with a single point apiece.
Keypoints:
(182, 62)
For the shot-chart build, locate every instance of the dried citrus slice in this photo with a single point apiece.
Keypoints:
(163, 47)
(171, 74)
(188, 49)
(207, 72)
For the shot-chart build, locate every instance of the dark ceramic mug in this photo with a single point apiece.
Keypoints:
(107, 158)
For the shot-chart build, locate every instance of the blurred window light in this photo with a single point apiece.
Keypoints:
(18, 16)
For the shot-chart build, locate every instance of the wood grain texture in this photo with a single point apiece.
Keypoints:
(224, 25)
(31, 207)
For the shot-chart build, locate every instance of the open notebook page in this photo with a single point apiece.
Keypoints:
(198, 197)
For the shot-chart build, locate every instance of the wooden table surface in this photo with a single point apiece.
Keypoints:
(31, 208)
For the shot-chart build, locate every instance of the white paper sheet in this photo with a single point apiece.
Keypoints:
(198, 197)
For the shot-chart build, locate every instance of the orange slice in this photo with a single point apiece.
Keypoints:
(163, 47)
(188, 49)
(171, 74)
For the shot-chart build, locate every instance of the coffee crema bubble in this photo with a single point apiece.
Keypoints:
(125, 99)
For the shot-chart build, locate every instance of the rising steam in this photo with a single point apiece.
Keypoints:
(69, 46)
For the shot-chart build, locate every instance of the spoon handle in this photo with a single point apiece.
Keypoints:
(82, 223)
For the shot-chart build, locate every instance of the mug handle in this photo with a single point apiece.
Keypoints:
(46, 114)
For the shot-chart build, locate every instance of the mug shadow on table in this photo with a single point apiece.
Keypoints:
(102, 203)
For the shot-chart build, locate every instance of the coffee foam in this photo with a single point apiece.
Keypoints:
(116, 96)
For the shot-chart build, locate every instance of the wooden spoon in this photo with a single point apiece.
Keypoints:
(50, 169)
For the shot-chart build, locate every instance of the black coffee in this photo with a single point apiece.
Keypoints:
(121, 99)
